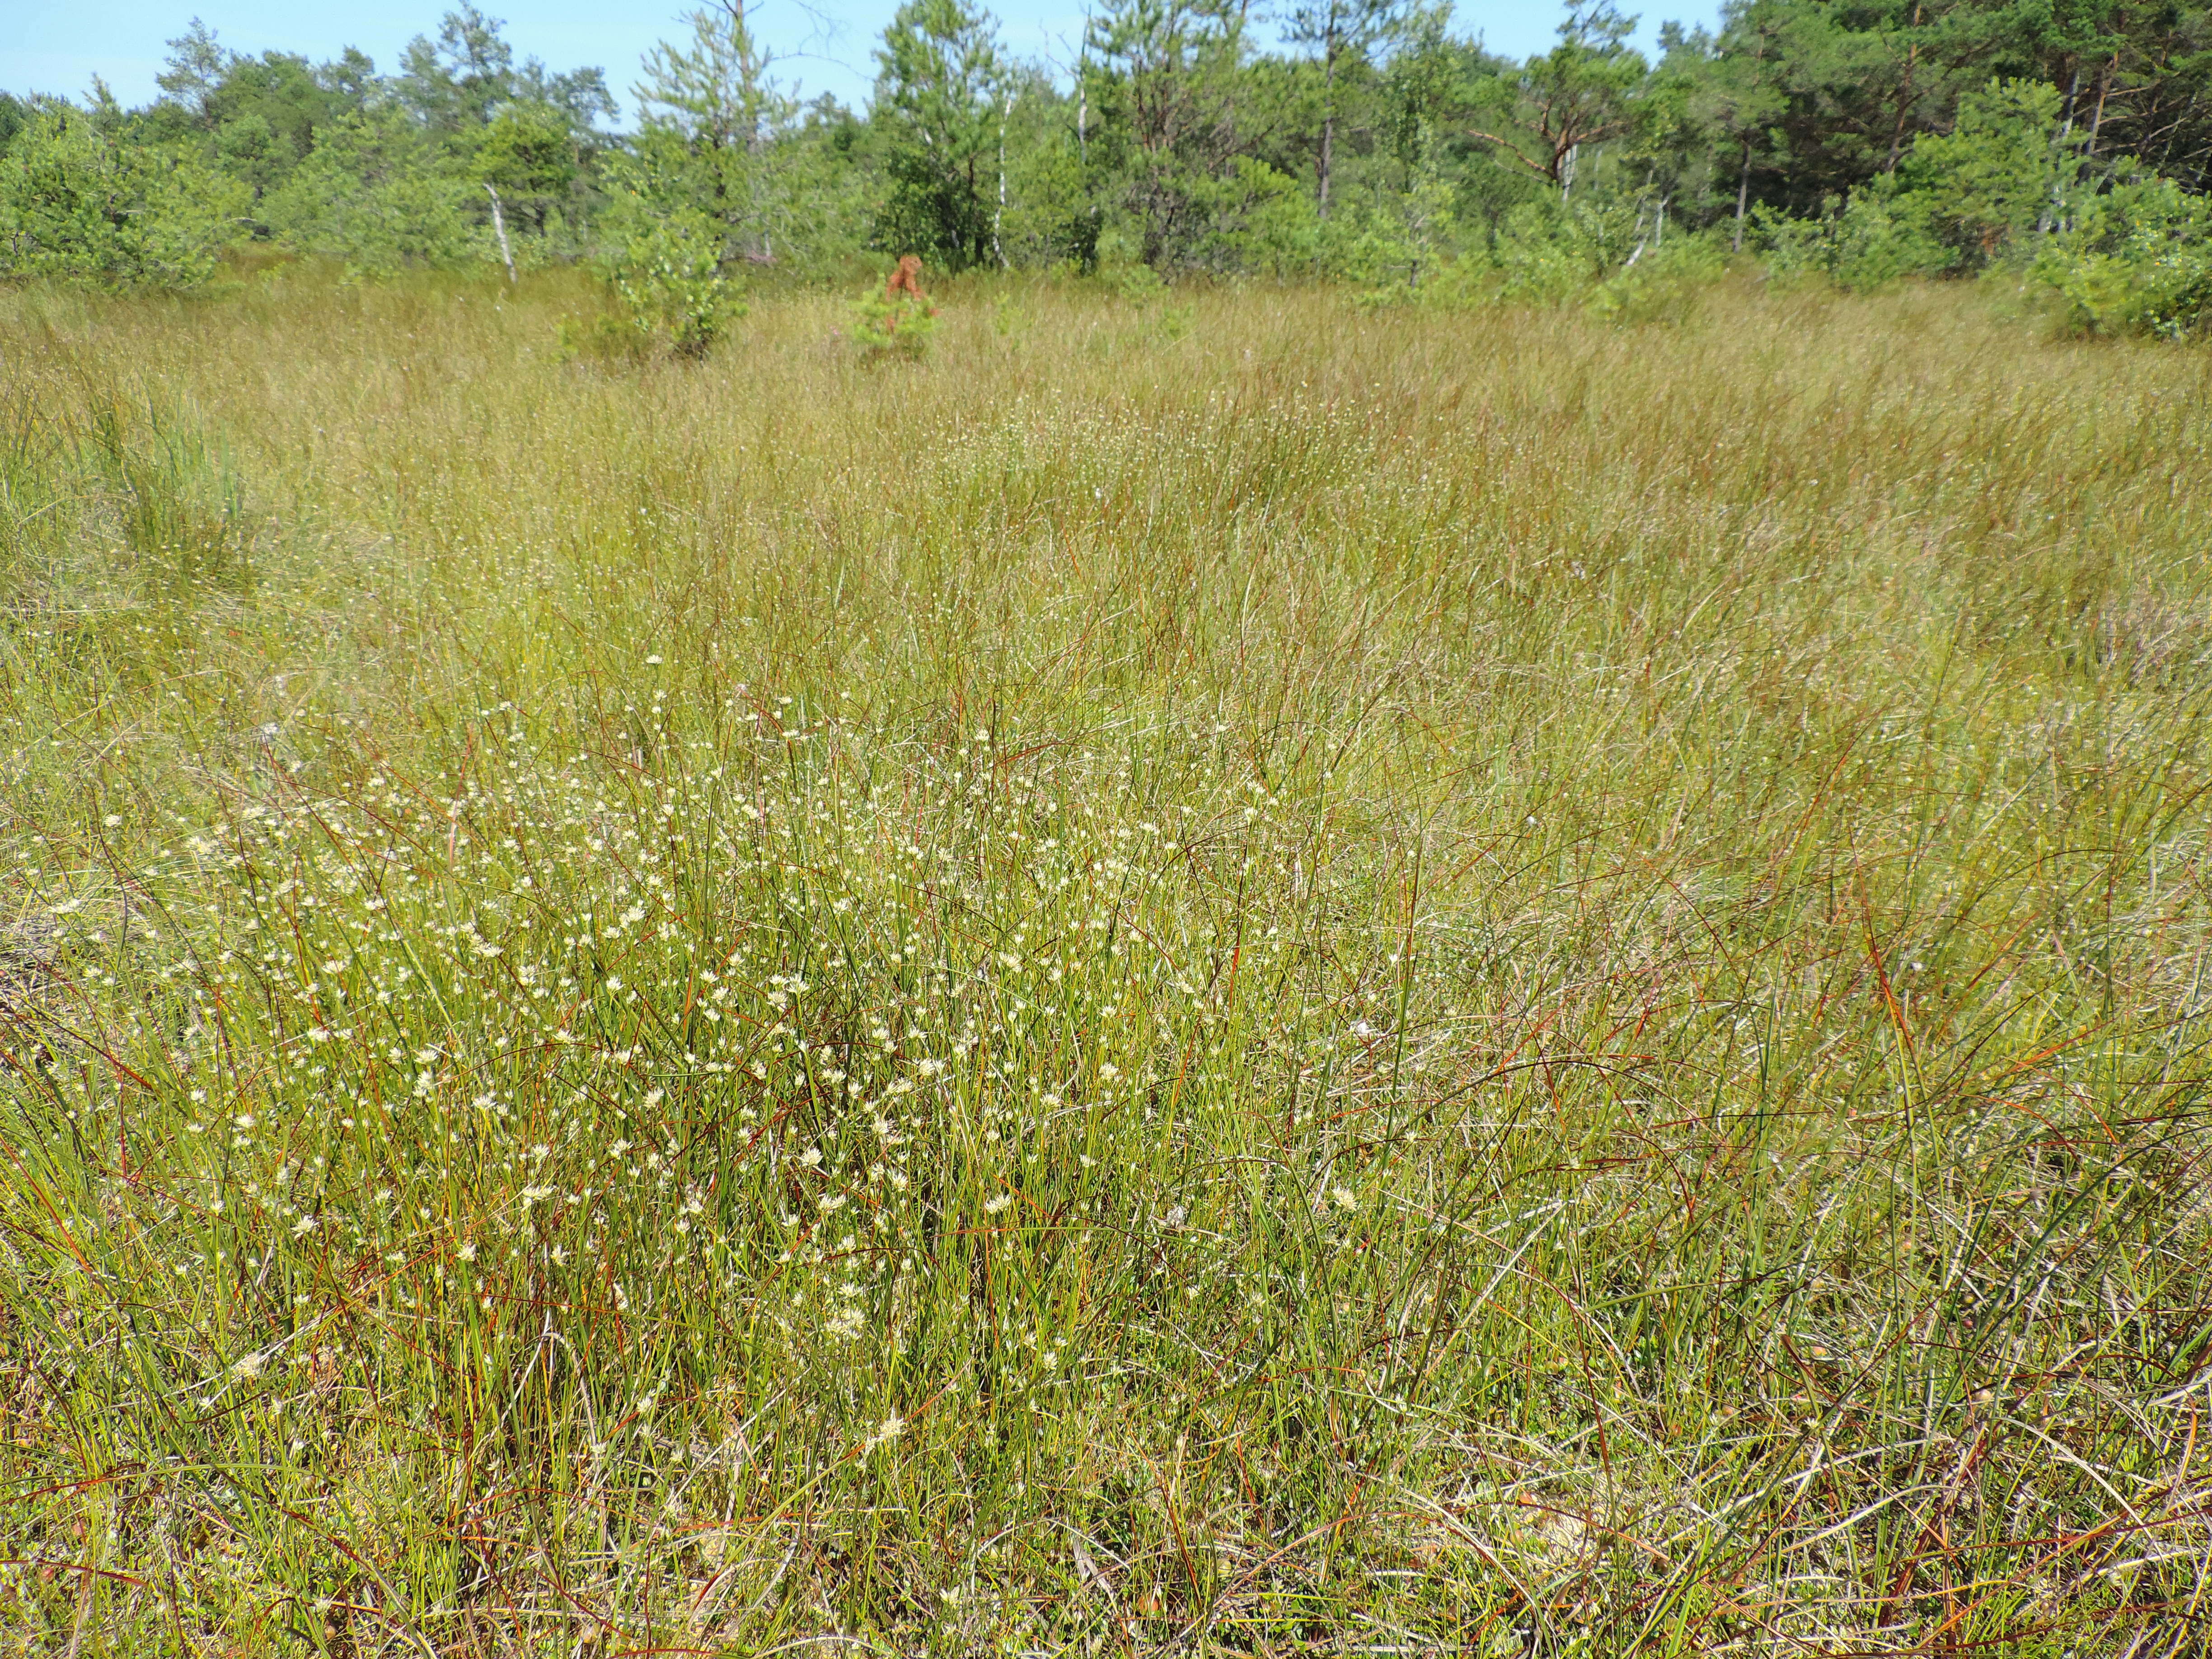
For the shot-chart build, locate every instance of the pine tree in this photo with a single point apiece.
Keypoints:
(941, 94)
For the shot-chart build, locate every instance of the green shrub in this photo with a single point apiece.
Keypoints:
(664, 254)
(1395, 248)
(1662, 283)
(2135, 260)
(667, 276)
(1547, 254)
(1133, 282)
(1279, 232)
(77, 205)
(373, 194)
(1863, 245)
(1957, 201)
(1979, 192)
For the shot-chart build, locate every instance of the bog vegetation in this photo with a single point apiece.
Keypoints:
(1366, 142)
(1215, 977)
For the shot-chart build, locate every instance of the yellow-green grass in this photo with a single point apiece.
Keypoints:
(1221, 976)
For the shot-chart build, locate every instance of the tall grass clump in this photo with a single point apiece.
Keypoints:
(1357, 981)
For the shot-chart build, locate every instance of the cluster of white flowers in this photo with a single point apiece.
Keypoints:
(794, 1035)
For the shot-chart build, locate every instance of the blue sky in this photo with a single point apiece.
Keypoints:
(58, 45)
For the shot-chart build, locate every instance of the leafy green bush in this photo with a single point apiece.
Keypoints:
(376, 193)
(2135, 260)
(2130, 253)
(1662, 283)
(1547, 253)
(665, 250)
(667, 275)
(1137, 284)
(1861, 245)
(1606, 253)
(1395, 247)
(1279, 232)
(2006, 169)
(1957, 201)
(77, 205)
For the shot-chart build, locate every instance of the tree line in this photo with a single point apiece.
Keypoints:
(1364, 140)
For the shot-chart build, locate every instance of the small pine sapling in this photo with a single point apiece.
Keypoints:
(898, 320)
(667, 280)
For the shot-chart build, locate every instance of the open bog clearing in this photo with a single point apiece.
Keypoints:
(1216, 976)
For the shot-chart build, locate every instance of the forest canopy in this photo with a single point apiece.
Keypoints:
(1364, 141)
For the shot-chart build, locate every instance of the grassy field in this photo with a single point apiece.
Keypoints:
(1220, 976)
